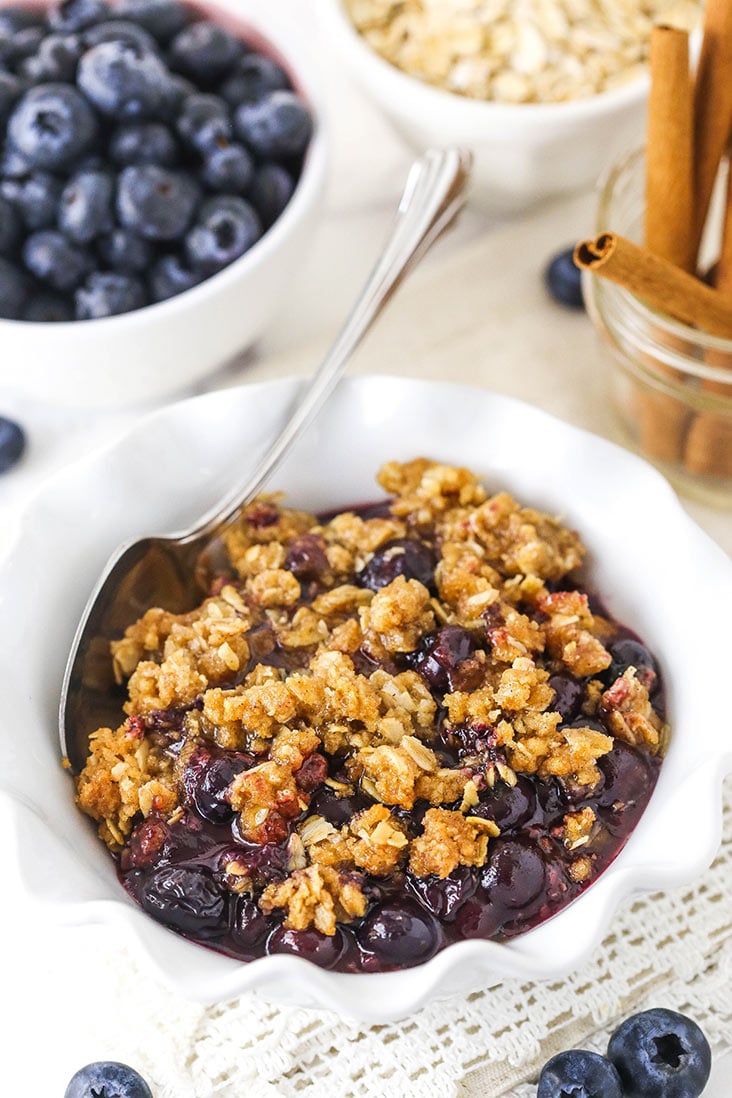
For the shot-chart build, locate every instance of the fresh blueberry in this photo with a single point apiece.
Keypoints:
(124, 251)
(107, 293)
(12, 163)
(52, 126)
(204, 123)
(323, 950)
(162, 18)
(55, 261)
(227, 227)
(143, 143)
(399, 557)
(185, 898)
(23, 45)
(13, 290)
(563, 280)
(156, 203)
(48, 308)
(123, 80)
(119, 30)
(74, 15)
(10, 228)
(86, 207)
(661, 1054)
(400, 935)
(55, 62)
(229, 170)
(270, 192)
(10, 91)
(35, 195)
(171, 276)
(12, 442)
(253, 77)
(277, 127)
(205, 52)
(107, 1078)
(579, 1074)
(16, 18)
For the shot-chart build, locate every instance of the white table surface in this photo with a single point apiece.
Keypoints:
(46, 1009)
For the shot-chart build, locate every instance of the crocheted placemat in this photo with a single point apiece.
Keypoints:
(671, 949)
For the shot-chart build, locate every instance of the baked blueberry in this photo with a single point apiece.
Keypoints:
(567, 699)
(278, 126)
(563, 280)
(323, 950)
(10, 228)
(52, 126)
(399, 557)
(661, 1054)
(400, 935)
(631, 653)
(124, 251)
(69, 16)
(226, 228)
(249, 924)
(56, 60)
(514, 874)
(270, 192)
(204, 123)
(206, 779)
(205, 52)
(119, 30)
(86, 208)
(109, 293)
(55, 260)
(509, 806)
(443, 897)
(48, 308)
(143, 143)
(107, 1078)
(627, 777)
(229, 169)
(123, 80)
(35, 195)
(156, 203)
(579, 1074)
(254, 76)
(185, 898)
(12, 436)
(172, 275)
(11, 89)
(440, 654)
(162, 18)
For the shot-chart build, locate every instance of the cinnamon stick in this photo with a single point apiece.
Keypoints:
(712, 106)
(669, 221)
(657, 282)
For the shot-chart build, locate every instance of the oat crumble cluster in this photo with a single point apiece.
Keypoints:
(518, 51)
(381, 731)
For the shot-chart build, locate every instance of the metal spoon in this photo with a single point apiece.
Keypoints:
(160, 571)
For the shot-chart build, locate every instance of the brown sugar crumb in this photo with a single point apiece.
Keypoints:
(398, 616)
(257, 710)
(124, 775)
(630, 714)
(425, 488)
(573, 755)
(578, 828)
(274, 587)
(448, 840)
(317, 896)
(271, 794)
(580, 870)
(407, 773)
(569, 633)
(378, 840)
(263, 522)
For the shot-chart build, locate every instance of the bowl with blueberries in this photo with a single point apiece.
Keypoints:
(161, 169)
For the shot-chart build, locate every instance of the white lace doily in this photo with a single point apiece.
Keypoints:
(671, 950)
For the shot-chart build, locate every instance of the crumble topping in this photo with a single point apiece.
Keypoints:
(353, 692)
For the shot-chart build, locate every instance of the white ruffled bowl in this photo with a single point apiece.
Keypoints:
(656, 570)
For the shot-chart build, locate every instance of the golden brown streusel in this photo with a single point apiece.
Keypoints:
(448, 840)
(316, 896)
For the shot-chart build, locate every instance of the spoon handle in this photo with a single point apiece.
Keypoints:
(434, 194)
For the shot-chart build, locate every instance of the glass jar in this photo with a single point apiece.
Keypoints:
(670, 384)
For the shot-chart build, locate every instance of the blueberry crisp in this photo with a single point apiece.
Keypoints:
(384, 730)
(143, 149)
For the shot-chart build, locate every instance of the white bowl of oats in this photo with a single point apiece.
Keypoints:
(367, 890)
(546, 92)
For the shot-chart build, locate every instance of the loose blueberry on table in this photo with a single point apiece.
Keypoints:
(384, 729)
(143, 149)
(563, 279)
(107, 1079)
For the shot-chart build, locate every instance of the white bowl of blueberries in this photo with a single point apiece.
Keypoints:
(161, 167)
